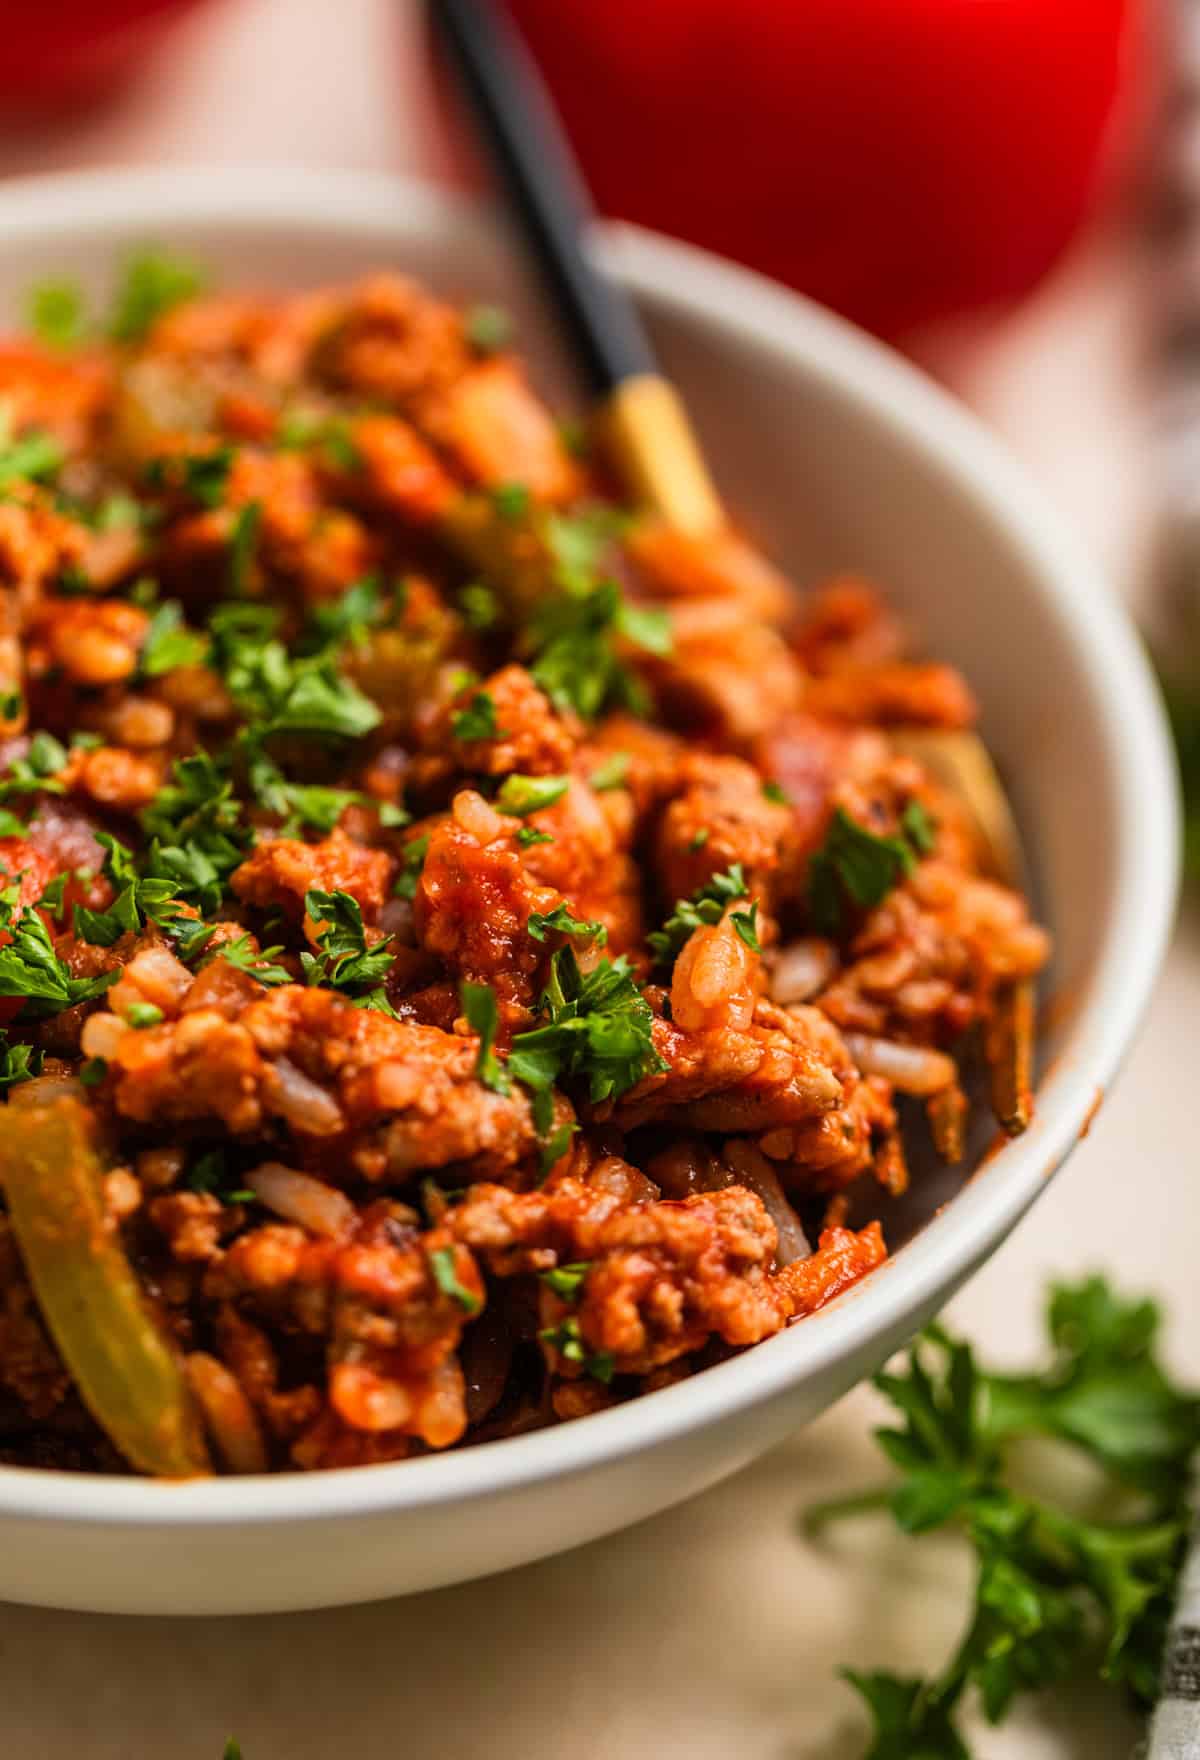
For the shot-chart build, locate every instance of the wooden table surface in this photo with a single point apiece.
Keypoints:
(714, 1630)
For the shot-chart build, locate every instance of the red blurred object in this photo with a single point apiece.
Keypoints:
(74, 49)
(900, 160)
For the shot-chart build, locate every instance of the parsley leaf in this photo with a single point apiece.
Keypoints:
(411, 863)
(243, 542)
(611, 773)
(242, 953)
(56, 312)
(344, 962)
(346, 619)
(487, 328)
(18, 1064)
(204, 476)
(153, 282)
(479, 606)
(37, 771)
(855, 865)
(522, 795)
(706, 905)
(477, 720)
(443, 1264)
(36, 455)
(483, 1017)
(1053, 1588)
(567, 1340)
(567, 1280)
(561, 921)
(197, 831)
(168, 644)
(511, 501)
(598, 1025)
(136, 898)
(30, 968)
(573, 636)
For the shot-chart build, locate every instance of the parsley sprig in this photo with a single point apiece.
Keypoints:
(1053, 1589)
(30, 967)
(707, 905)
(856, 869)
(597, 1027)
(345, 961)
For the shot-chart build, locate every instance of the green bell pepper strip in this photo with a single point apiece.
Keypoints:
(124, 1366)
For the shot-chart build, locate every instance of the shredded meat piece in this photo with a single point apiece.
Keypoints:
(718, 816)
(396, 1096)
(282, 869)
(531, 737)
(662, 1277)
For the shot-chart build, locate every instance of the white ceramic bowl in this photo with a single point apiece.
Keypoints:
(840, 456)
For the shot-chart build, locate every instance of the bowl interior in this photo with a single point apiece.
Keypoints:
(835, 457)
(825, 481)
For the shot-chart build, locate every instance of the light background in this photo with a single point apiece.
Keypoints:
(715, 1630)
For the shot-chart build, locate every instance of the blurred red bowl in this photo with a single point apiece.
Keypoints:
(75, 49)
(900, 160)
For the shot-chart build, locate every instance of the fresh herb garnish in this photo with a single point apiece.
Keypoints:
(18, 1063)
(1053, 1589)
(30, 968)
(56, 313)
(487, 328)
(344, 961)
(511, 501)
(856, 866)
(561, 921)
(346, 620)
(197, 831)
(411, 863)
(479, 606)
(611, 773)
(483, 1017)
(443, 1263)
(37, 771)
(528, 835)
(598, 1026)
(477, 720)
(775, 791)
(567, 1280)
(573, 635)
(203, 476)
(255, 962)
(168, 643)
(243, 542)
(209, 1173)
(152, 284)
(143, 1014)
(705, 906)
(567, 1340)
(522, 795)
(34, 457)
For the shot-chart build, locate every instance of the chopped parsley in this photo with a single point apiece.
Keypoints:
(30, 968)
(344, 960)
(256, 963)
(1054, 1589)
(18, 1063)
(522, 795)
(411, 863)
(598, 1026)
(487, 328)
(698, 839)
(574, 637)
(56, 313)
(483, 1017)
(209, 1173)
(37, 771)
(611, 773)
(152, 283)
(93, 1072)
(203, 476)
(567, 1280)
(567, 1340)
(34, 457)
(855, 866)
(168, 643)
(197, 830)
(745, 926)
(477, 720)
(278, 692)
(443, 1262)
(137, 898)
(479, 606)
(301, 430)
(528, 835)
(705, 906)
(143, 1014)
(346, 620)
(511, 501)
(775, 791)
(555, 1147)
(243, 542)
(918, 827)
(560, 921)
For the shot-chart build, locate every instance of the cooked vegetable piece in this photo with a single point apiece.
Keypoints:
(125, 1368)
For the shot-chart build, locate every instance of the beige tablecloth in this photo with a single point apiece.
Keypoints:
(714, 1630)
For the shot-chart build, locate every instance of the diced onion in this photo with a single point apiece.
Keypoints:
(914, 1069)
(802, 969)
(302, 1102)
(300, 1198)
(751, 1169)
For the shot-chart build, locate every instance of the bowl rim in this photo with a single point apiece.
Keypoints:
(372, 205)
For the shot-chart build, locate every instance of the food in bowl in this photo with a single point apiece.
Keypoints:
(463, 940)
